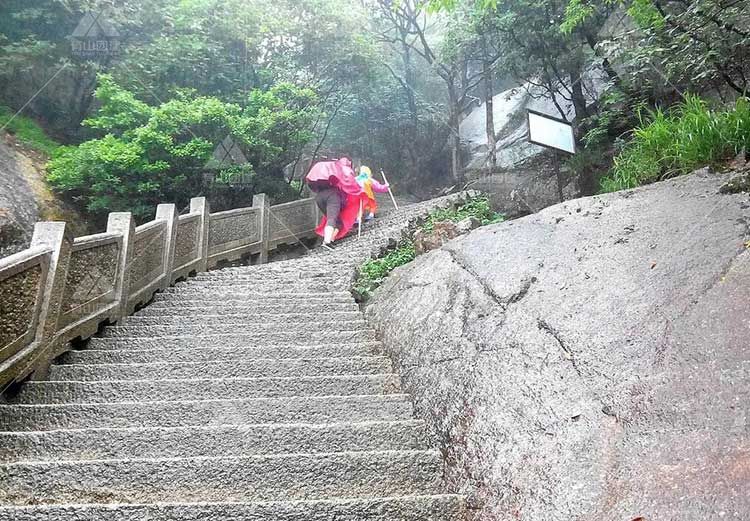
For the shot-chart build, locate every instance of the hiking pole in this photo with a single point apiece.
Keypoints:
(361, 212)
(390, 192)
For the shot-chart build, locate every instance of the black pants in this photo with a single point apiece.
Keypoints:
(329, 201)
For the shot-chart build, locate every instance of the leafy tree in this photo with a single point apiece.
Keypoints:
(407, 26)
(151, 154)
(688, 44)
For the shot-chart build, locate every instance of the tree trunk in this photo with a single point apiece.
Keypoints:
(409, 78)
(490, 114)
(578, 98)
(454, 120)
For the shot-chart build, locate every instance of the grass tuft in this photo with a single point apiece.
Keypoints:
(373, 272)
(27, 131)
(690, 136)
(477, 207)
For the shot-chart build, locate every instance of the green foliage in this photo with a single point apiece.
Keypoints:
(190, 70)
(436, 6)
(576, 13)
(690, 136)
(477, 207)
(693, 45)
(579, 12)
(27, 131)
(149, 155)
(372, 273)
(646, 15)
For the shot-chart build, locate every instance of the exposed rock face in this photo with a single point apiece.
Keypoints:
(18, 207)
(25, 198)
(524, 179)
(588, 362)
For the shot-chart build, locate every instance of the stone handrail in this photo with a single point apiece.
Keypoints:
(61, 289)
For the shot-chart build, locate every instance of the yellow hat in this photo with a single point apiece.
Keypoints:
(365, 170)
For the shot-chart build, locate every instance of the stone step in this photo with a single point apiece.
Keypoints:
(244, 308)
(207, 354)
(257, 368)
(296, 317)
(276, 297)
(285, 276)
(184, 442)
(280, 281)
(307, 409)
(267, 289)
(265, 338)
(302, 267)
(111, 391)
(312, 324)
(196, 329)
(236, 478)
(233, 288)
(403, 508)
(258, 305)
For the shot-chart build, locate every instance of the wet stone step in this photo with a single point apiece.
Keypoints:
(293, 316)
(207, 354)
(404, 508)
(258, 368)
(276, 297)
(244, 308)
(296, 409)
(264, 478)
(241, 339)
(207, 388)
(184, 442)
(221, 327)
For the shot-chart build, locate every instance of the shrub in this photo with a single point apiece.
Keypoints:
(152, 154)
(691, 136)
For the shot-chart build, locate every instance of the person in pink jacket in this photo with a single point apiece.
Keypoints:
(371, 186)
(338, 195)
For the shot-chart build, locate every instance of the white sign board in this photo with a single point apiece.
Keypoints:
(551, 132)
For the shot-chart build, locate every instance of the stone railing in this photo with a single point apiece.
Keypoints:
(61, 289)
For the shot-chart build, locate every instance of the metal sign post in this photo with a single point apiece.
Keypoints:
(554, 133)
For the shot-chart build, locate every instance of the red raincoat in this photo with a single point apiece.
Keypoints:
(340, 175)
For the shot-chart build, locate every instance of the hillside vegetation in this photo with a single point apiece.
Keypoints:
(294, 81)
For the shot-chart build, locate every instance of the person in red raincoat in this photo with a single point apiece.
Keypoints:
(338, 195)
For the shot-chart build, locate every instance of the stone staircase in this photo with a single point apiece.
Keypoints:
(255, 393)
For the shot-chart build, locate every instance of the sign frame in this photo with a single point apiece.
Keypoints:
(529, 112)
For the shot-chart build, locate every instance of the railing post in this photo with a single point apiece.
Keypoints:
(261, 202)
(123, 224)
(54, 235)
(200, 205)
(168, 212)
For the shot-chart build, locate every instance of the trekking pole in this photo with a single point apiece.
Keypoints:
(390, 192)
(361, 212)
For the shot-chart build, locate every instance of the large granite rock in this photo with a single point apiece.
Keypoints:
(591, 361)
(25, 198)
(19, 209)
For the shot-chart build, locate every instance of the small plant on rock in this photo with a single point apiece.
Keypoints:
(477, 207)
(373, 272)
